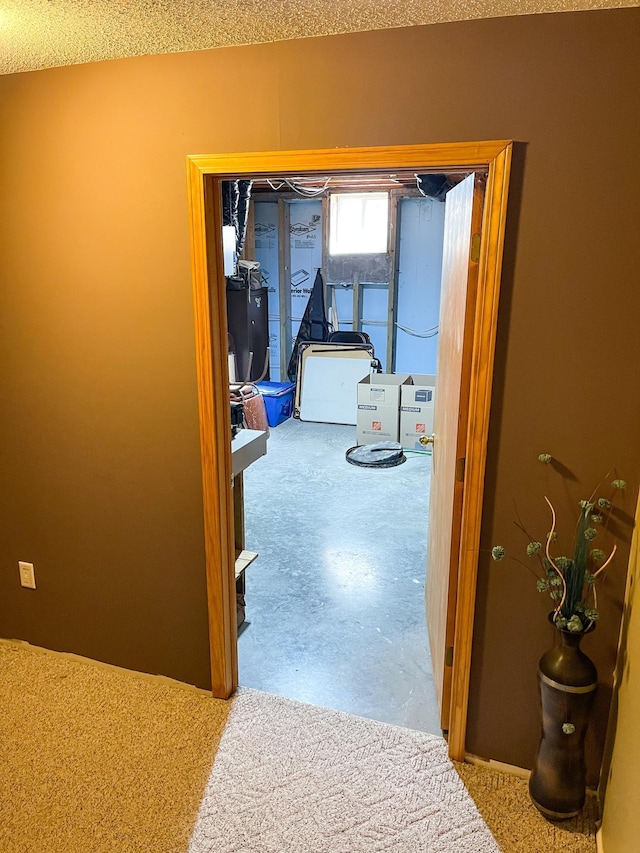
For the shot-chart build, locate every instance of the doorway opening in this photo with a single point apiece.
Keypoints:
(456, 574)
(335, 612)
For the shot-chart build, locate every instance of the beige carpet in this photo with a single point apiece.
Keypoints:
(503, 801)
(95, 759)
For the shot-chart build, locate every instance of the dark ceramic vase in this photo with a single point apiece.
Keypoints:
(567, 680)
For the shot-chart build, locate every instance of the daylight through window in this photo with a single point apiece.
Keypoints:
(358, 223)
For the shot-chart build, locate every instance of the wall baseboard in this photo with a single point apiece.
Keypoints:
(512, 770)
(499, 766)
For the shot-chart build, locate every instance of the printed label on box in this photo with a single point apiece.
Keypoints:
(376, 426)
(422, 428)
(377, 394)
(368, 408)
(422, 396)
(410, 409)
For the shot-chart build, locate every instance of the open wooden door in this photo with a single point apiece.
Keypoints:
(462, 226)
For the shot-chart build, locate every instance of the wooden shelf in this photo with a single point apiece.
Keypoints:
(244, 560)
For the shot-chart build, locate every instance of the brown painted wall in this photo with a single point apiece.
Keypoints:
(99, 453)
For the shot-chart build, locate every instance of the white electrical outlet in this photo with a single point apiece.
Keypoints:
(27, 574)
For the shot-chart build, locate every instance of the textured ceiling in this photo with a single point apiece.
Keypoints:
(38, 34)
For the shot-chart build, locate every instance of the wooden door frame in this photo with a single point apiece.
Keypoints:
(205, 222)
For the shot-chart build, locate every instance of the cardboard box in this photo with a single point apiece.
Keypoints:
(378, 417)
(416, 411)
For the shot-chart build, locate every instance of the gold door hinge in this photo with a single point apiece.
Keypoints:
(448, 656)
(460, 469)
(475, 248)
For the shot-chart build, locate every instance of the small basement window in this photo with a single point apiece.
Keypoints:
(358, 223)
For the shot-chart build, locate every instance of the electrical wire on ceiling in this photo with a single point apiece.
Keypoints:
(426, 333)
(310, 188)
(299, 187)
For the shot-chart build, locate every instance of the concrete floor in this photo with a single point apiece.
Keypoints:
(335, 601)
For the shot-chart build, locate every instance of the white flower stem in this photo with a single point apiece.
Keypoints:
(607, 561)
(550, 558)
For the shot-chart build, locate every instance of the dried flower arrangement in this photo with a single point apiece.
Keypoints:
(571, 581)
